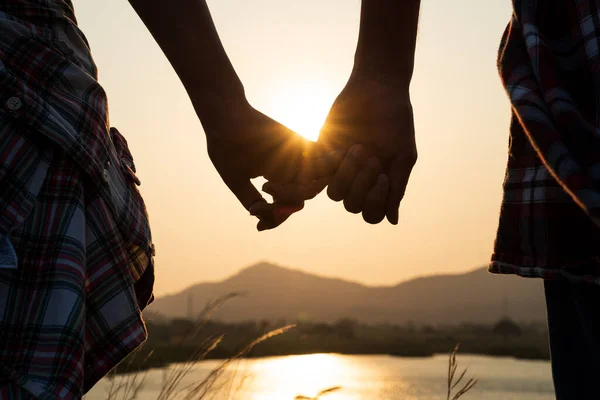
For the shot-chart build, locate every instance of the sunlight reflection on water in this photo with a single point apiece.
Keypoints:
(279, 378)
(362, 377)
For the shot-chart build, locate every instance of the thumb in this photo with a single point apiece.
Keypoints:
(245, 191)
(273, 215)
(269, 215)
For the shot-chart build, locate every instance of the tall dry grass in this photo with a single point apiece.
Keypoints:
(320, 394)
(452, 382)
(127, 385)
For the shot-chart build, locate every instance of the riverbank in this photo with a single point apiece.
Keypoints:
(181, 340)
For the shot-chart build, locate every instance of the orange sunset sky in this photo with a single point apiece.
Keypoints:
(293, 58)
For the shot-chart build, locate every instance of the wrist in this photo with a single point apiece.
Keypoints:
(215, 106)
(387, 38)
(219, 80)
(371, 73)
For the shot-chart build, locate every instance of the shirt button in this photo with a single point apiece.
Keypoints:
(14, 103)
(106, 176)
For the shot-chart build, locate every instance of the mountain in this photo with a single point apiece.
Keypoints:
(275, 293)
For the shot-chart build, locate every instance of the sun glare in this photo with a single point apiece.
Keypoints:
(302, 109)
(306, 375)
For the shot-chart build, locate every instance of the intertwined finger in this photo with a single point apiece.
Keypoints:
(363, 183)
(287, 199)
(322, 164)
(375, 203)
(294, 192)
(345, 175)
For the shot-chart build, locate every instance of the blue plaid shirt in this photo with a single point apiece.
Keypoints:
(70, 209)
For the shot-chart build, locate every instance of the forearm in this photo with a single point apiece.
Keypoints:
(387, 39)
(185, 32)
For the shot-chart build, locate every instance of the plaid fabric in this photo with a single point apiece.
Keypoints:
(549, 62)
(70, 207)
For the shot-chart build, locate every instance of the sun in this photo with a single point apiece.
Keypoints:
(303, 109)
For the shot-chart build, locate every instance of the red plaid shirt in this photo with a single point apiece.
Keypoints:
(69, 205)
(549, 62)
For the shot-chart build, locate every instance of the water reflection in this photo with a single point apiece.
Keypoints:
(281, 378)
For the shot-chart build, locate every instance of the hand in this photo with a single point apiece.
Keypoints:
(374, 120)
(243, 144)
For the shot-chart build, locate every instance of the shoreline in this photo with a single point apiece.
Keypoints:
(133, 367)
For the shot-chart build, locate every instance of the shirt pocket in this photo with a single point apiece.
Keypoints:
(125, 158)
(132, 214)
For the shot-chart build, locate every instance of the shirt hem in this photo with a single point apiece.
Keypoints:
(503, 268)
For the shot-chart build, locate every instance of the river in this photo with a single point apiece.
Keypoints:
(360, 378)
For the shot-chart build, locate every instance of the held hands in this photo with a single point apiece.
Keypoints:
(371, 123)
(365, 154)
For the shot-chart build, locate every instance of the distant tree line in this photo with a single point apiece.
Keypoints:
(173, 341)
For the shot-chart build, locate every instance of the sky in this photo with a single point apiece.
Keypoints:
(293, 58)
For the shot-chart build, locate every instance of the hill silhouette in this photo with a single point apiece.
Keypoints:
(276, 293)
